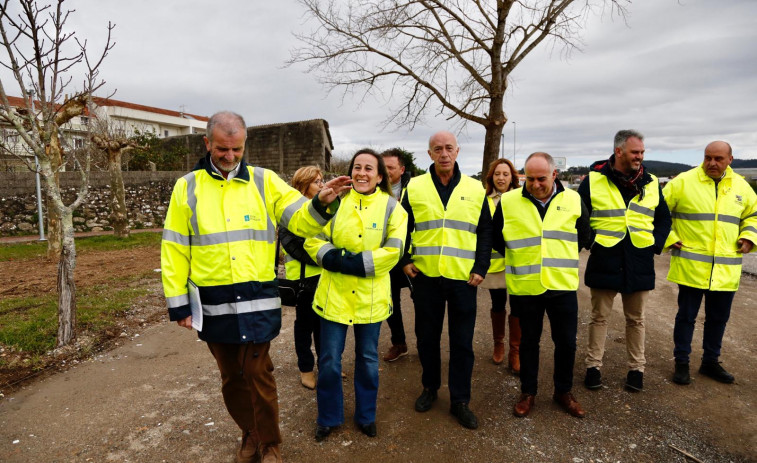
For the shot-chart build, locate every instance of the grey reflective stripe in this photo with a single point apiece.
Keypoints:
(461, 253)
(749, 229)
(258, 305)
(729, 219)
(393, 243)
(693, 216)
(750, 216)
(427, 250)
(234, 236)
(692, 256)
(608, 213)
(192, 201)
(445, 251)
(635, 229)
(496, 255)
(390, 206)
(707, 259)
(429, 225)
(560, 235)
(728, 260)
(641, 209)
(523, 242)
(614, 234)
(562, 263)
(258, 177)
(175, 237)
(177, 301)
(288, 258)
(320, 220)
(523, 270)
(322, 252)
(370, 268)
(288, 213)
(460, 225)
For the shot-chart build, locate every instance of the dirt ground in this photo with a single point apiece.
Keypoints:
(155, 397)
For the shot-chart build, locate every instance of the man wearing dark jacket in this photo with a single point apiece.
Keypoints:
(399, 180)
(631, 221)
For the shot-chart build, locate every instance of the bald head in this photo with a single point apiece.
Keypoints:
(718, 155)
(226, 122)
(540, 175)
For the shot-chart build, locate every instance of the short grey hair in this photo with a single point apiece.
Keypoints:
(540, 154)
(623, 135)
(228, 121)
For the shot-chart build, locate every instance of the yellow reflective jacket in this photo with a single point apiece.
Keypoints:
(540, 254)
(709, 219)
(222, 235)
(444, 239)
(612, 220)
(498, 260)
(372, 228)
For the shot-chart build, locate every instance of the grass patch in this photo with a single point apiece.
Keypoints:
(31, 323)
(35, 249)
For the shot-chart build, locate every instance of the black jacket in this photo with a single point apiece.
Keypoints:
(624, 267)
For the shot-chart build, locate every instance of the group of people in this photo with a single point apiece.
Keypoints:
(356, 240)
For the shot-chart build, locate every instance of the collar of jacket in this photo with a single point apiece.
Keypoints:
(453, 182)
(362, 200)
(604, 168)
(729, 173)
(204, 164)
(405, 179)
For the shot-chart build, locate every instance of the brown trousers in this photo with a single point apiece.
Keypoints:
(249, 389)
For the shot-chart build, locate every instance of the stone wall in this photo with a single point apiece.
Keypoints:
(147, 197)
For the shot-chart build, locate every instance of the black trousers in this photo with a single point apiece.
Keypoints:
(396, 325)
(562, 310)
(430, 296)
(306, 327)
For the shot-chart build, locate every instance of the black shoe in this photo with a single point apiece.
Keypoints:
(322, 432)
(716, 372)
(635, 381)
(593, 379)
(464, 416)
(681, 376)
(423, 403)
(368, 429)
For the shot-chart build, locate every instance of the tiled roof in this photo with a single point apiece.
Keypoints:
(151, 109)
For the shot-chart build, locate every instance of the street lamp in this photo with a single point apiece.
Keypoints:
(36, 172)
(513, 143)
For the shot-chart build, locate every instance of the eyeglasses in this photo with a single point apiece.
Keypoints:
(318, 181)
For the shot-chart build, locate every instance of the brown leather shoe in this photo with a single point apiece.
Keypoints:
(569, 404)
(248, 451)
(271, 454)
(395, 352)
(524, 405)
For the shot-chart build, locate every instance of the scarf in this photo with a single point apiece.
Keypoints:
(630, 182)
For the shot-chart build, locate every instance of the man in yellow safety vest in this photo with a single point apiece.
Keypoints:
(714, 214)
(540, 229)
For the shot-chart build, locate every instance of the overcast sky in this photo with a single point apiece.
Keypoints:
(683, 72)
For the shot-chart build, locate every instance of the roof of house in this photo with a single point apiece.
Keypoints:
(167, 112)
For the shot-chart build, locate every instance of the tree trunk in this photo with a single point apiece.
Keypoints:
(66, 285)
(119, 215)
(492, 142)
(54, 226)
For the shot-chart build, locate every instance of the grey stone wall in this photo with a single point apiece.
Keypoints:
(147, 197)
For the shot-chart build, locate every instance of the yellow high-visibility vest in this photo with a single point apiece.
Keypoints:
(444, 239)
(540, 254)
(611, 219)
(709, 220)
(498, 260)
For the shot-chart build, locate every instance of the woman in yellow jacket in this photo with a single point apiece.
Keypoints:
(501, 178)
(365, 240)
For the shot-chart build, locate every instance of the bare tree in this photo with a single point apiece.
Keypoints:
(450, 56)
(42, 55)
(113, 141)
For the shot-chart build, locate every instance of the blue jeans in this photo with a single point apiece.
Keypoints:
(329, 390)
(717, 311)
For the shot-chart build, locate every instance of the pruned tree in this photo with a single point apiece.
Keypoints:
(42, 56)
(454, 57)
(113, 142)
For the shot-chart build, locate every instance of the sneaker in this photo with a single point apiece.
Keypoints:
(635, 381)
(426, 399)
(464, 416)
(681, 375)
(395, 352)
(593, 379)
(715, 371)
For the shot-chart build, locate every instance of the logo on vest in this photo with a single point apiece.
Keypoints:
(739, 199)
